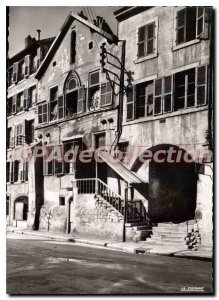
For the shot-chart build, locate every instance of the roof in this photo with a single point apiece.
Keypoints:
(128, 11)
(129, 176)
(44, 43)
(111, 38)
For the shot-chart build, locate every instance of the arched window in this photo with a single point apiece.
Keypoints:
(73, 47)
(72, 84)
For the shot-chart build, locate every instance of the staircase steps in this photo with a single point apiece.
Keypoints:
(168, 234)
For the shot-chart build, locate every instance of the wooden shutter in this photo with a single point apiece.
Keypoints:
(105, 94)
(130, 115)
(27, 65)
(16, 170)
(15, 72)
(7, 171)
(60, 107)
(158, 96)
(167, 94)
(28, 131)
(200, 21)
(12, 172)
(181, 26)
(25, 105)
(141, 41)
(26, 171)
(201, 85)
(80, 104)
(14, 104)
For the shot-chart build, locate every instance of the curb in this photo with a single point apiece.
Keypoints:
(113, 246)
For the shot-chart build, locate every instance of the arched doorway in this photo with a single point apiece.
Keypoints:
(21, 208)
(172, 185)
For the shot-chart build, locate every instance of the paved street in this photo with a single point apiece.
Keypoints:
(47, 267)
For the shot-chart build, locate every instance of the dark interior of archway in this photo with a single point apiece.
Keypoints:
(172, 191)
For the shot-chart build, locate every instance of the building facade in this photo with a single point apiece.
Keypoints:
(151, 93)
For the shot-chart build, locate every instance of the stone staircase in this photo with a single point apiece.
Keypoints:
(169, 234)
(138, 232)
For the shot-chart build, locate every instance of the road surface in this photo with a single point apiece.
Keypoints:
(47, 267)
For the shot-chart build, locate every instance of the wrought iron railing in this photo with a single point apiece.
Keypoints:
(135, 210)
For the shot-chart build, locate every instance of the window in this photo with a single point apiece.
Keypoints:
(189, 24)
(48, 162)
(157, 97)
(201, 85)
(10, 76)
(29, 131)
(100, 140)
(184, 89)
(54, 103)
(90, 45)
(122, 147)
(14, 171)
(53, 160)
(105, 94)
(20, 102)
(146, 40)
(8, 137)
(24, 172)
(61, 201)
(73, 47)
(43, 113)
(71, 98)
(9, 106)
(71, 149)
(130, 103)
(32, 96)
(21, 70)
(33, 62)
(19, 134)
(94, 90)
(14, 104)
(8, 171)
(144, 99)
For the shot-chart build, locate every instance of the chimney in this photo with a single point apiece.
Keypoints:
(38, 34)
(28, 41)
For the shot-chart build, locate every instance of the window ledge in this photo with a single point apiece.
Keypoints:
(167, 115)
(184, 45)
(139, 60)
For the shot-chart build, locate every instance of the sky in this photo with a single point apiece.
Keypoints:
(25, 20)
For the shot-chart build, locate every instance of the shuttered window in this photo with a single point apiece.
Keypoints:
(158, 96)
(58, 160)
(167, 98)
(130, 103)
(43, 113)
(146, 40)
(27, 65)
(24, 172)
(60, 107)
(190, 24)
(81, 96)
(201, 85)
(8, 171)
(105, 94)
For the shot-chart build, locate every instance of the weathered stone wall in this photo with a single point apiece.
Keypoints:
(95, 218)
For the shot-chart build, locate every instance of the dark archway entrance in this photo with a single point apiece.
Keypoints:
(172, 186)
(21, 208)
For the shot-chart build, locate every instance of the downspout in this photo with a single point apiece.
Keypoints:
(211, 73)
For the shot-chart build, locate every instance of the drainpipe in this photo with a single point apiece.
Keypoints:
(68, 217)
(125, 213)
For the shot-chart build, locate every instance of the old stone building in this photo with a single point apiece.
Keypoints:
(151, 91)
(21, 120)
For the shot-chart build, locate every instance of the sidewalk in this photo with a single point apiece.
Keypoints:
(128, 247)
